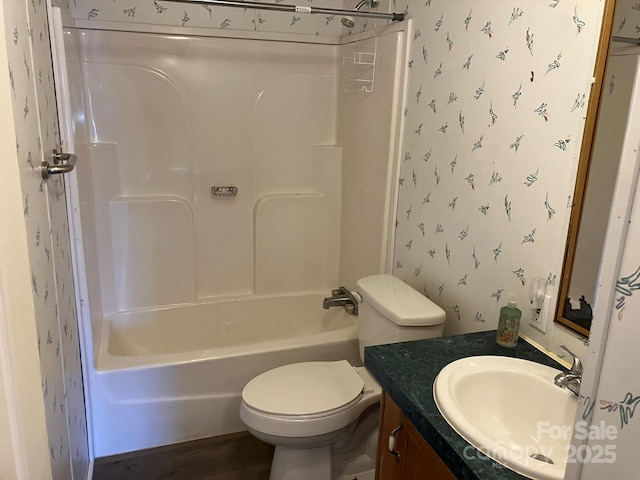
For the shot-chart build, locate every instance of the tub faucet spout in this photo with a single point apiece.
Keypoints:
(341, 297)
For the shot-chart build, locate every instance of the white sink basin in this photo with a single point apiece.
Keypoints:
(510, 410)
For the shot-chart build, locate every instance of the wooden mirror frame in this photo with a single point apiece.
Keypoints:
(584, 163)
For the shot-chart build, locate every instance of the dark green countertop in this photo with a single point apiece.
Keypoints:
(407, 371)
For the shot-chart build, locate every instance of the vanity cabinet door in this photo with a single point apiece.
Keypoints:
(420, 462)
(387, 466)
(417, 460)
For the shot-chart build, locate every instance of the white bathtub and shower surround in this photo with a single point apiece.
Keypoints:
(147, 209)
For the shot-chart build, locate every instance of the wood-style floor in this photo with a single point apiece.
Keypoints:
(237, 456)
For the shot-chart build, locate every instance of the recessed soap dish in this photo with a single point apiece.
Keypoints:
(224, 192)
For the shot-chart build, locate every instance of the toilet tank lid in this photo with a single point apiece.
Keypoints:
(399, 302)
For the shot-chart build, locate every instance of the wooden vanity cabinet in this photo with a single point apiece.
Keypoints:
(414, 459)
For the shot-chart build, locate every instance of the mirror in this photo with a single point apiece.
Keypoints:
(593, 195)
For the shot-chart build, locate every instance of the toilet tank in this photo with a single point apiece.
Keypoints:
(392, 311)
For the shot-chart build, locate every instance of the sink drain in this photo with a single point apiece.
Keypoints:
(542, 458)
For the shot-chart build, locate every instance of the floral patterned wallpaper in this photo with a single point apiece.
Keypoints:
(497, 99)
(34, 115)
(160, 12)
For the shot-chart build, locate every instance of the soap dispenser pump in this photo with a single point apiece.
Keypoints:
(508, 325)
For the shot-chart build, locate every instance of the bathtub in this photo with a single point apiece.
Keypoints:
(174, 374)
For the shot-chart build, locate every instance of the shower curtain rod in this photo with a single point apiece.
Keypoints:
(396, 17)
(635, 41)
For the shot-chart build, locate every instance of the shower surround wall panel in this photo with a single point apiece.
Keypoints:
(369, 133)
(176, 116)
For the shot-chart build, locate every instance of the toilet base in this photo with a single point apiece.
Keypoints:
(296, 463)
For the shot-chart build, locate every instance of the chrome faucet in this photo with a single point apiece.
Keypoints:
(341, 297)
(571, 379)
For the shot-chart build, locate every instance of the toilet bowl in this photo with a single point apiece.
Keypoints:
(307, 409)
(322, 403)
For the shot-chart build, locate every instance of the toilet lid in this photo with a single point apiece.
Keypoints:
(308, 388)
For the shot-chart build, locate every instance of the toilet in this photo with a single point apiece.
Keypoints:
(310, 410)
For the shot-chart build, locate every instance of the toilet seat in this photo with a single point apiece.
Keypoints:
(309, 389)
(315, 399)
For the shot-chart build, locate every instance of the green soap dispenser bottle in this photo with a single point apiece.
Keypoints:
(508, 325)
